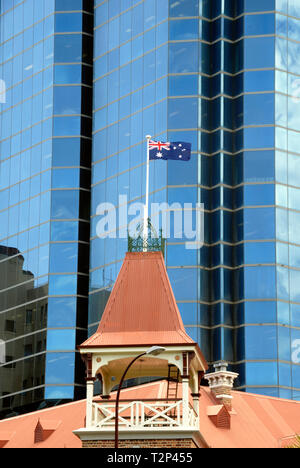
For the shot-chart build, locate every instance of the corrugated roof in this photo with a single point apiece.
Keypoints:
(141, 309)
(23, 428)
(257, 421)
(5, 437)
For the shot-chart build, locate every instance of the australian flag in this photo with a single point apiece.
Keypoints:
(177, 151)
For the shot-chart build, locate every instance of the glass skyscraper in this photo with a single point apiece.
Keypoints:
(220, 74)
(46, 68)
(223, 75)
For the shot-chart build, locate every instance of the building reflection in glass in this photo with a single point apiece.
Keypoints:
(22, 328)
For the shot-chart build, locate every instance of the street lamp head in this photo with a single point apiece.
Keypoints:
(155, 350)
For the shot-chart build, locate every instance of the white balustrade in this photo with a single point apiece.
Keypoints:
(141, 414)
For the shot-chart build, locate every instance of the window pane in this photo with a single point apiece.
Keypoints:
(261, 373)
(260, 282)
(260, 342)
(259, 223)
(255, 52)
(259, 166)
(259, 81)
(294, 285)
(60, 368)
(259, 195)
(68, 48)
(183, 113)
(65, 204)
(255, 138)
(62, 312)
(258, 25)
(260, 312)
(66, 152)
(184, 283)
(65, 178)
(183, 57)
(183, 29)
(66, 126)
(294, 10)
(259, 252)
(183, 85)
(67, 100)
(63, 258)
(64, 231)
(265, 103)
(66, 22)
(63, 285)
(61, 340)
(59, 393)
(65, 74)
(68, 5)
(184, 8)
(252, 6)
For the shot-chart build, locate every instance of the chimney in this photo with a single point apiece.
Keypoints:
(221, 384)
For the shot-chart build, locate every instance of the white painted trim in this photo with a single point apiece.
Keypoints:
(106, 434)
(228, 397)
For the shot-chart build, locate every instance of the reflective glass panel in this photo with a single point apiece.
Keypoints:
(261, 373)
(259, 252)
(68, 48)
(63, 258)
(184, 8)
(61, 312)
(260, 342)
(260, 312)
(259, 282)
(251, 6)
(60, 368)
(65, 204)
(257, 25)
(254, 52)
(61, 340)
(62, 285)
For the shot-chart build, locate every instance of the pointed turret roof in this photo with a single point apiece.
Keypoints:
(141, 309)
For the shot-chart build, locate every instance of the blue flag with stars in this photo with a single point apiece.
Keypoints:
(177, 151)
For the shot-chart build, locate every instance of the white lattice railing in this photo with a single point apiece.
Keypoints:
(141, 414)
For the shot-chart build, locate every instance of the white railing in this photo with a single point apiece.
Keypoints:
(141, 414)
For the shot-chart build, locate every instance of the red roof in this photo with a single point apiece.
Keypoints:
(58, 423)
(256, 421)
(141, 309)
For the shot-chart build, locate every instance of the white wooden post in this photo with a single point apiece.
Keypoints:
(196, 400)
(185, 401)
(89, 402)
(196, 403)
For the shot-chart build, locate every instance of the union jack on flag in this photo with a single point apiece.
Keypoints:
(177, 151)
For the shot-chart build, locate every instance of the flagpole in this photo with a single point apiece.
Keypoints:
(146, 209)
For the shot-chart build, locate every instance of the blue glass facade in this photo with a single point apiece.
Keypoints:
(45, 139)
(224, 76)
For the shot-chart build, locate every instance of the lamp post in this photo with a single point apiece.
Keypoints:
(154, 351)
